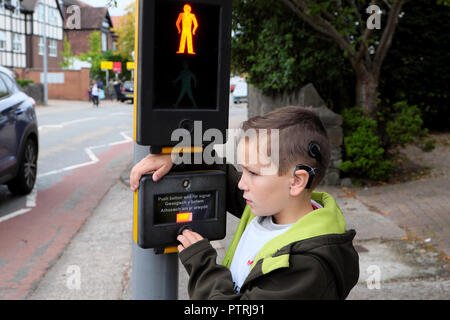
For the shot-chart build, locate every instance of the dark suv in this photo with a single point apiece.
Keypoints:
(18, 136)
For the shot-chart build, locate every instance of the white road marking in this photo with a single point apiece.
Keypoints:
(14, 214)
(93, 158)
(31, 198)
(65, 123)
(68, 123)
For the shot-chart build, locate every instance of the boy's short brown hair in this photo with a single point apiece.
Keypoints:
(298, 127)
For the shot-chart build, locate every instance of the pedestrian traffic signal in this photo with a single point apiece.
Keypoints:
(183, 68)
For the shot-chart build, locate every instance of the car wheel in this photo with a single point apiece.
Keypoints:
(24, 182)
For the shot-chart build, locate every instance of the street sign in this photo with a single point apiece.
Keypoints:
(183, 63)
(117, 67)
(106, 65)
(130, 65)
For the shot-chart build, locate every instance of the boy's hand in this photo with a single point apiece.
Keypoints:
(188, 238)
(160, 163)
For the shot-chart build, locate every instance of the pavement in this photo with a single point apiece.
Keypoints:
(402, 239)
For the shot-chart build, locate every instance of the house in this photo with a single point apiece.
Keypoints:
(22, 26)
(91, 19)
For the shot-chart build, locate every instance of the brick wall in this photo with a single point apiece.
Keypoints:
(75, 86)
(79, 40)
(34, 60)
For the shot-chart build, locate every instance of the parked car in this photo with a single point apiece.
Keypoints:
(19, 139)
(127, 91)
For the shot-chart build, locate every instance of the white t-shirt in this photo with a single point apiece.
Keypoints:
(258, 232)
(94, 90)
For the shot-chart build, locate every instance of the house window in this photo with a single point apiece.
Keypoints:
(104, 41)
(41, 12)
(41, 46)
(52, 48)
(2, 40)
(16, 42)
(2, 7)
(16, 4)
(52, 16)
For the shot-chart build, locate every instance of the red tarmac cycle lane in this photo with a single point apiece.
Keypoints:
(31, 243)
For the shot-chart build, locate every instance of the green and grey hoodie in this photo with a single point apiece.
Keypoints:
(313, 259)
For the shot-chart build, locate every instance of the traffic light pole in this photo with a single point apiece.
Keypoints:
(177, 87)
(154, 276)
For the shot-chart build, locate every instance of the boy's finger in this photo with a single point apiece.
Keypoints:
(184, 240)
(187, 234)
(192, 236)
(161, 172)
(197, 236)
(135, 175)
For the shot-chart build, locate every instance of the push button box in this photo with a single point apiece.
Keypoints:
(194, 199)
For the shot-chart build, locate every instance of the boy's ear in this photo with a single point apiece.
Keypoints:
(298, 182)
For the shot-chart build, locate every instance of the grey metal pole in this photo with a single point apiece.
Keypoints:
(154, 276)
(45, 69)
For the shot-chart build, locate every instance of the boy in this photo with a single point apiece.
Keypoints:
(291, 242)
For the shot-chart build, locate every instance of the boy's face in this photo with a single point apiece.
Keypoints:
(266, 194)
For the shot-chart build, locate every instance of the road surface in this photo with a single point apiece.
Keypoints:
(82, 151)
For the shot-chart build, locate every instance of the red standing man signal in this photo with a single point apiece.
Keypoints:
(186, 19)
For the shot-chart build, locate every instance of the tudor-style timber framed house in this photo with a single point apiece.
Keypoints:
(22, 26)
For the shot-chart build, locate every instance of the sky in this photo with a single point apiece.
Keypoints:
(119, 11)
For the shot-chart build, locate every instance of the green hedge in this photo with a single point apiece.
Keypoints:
(24, 82)
(364, 155)
(367, 142)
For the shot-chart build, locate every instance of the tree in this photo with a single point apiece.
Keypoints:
(279, 53)
(67, 54)
(362, 45)
(125, 32)
(94, 54)
(417, 68)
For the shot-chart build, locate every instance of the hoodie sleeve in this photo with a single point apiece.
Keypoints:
(208, 280)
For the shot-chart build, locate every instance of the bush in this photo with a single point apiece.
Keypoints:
(405, 124)
(364, 155)
(24, 82)
(428, 145)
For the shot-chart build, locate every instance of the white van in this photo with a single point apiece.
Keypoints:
(240, 92)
